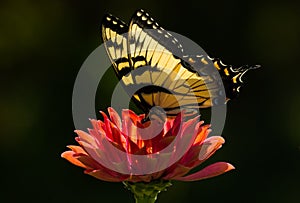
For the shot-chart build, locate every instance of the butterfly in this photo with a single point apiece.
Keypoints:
(154, 69)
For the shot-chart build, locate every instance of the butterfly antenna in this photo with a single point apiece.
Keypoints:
(255, 66)
(247, 67)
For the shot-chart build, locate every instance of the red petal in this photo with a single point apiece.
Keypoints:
(69, 155)
(85, 137)
(107, 129)
(105, 176)
(176, 170)
(203, 132)
(114, 117)
(191, 156)
(112, 131)
(208, 148)
(77, 149)
(208, 172)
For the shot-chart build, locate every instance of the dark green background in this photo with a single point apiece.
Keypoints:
(43, 44)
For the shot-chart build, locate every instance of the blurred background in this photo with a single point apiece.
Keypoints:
(43, 45)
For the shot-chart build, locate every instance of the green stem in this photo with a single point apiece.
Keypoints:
(147, 192)
(145, 199)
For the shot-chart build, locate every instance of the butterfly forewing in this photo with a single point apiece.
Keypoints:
(114, 34)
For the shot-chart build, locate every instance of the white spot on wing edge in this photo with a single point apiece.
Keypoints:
(139, 13)
(210, 58)
(222, 63)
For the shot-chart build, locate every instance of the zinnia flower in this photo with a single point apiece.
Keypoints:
(124, 150)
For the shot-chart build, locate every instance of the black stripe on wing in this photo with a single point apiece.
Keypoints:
(114, 35)
(149, 25)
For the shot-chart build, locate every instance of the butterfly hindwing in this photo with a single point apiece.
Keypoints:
(231, 77)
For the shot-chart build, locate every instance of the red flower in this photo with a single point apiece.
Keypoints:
(116, 150)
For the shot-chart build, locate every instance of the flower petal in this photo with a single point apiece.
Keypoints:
(210, 145)
(85, 137)
(69, 155)
(105, 176)
(77, 149)
(80, 158)
(208, 172)
(203, 132)
(176, 170)
(114, 117)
